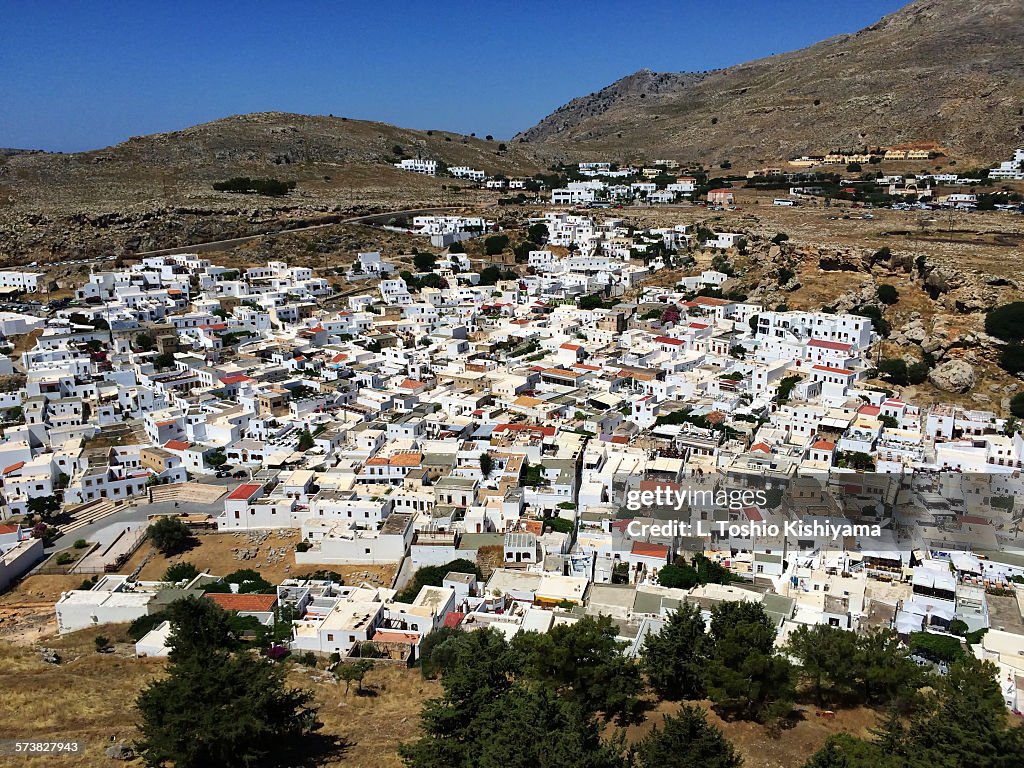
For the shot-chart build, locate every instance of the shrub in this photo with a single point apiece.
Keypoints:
(495, 244)
(1011, 358)
(65, 558)
(936, 647)
(1017, 405)
(1006, 322)
(245, 185)
(183, 571)
(171, 536)
(887, 294)
(894, 369)
(81, 544)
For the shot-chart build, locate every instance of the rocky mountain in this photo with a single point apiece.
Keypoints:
(320, 153)
(936, 70)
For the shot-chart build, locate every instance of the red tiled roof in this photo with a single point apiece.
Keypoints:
(869, 410)
(393, 636)
(830, 369)
(546, 431)
(974, 520)
(13, 467)
(236, 378)
(244, 491)
(570, 347)
(824, 445)
(250, 602)
(176, 445)
(762, 447)
(8, 529)
(753, 515)
(669, 340)
(708, 301)
(452, 619)
(649, 550)
(821, 343)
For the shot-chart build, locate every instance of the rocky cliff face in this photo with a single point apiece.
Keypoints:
(937, 70)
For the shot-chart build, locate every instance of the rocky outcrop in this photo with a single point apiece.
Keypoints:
(952, 376)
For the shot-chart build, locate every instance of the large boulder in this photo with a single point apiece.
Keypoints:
(913, 332)
(952, 376)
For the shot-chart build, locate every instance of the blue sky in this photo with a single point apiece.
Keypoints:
(81, 75)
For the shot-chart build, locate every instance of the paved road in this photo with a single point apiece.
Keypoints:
(330, 220)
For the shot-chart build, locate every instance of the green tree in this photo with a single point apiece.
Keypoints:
(962, 722)
(171, 536)
(533, 728)
(423, 261)
(354, 672)
(1017, 405)
(936, 647)
(183, 571)
(969, 726)
(44, 507)
(433, 576)
(495, 244)
(883, 668)
(537, 232)
(674, 658)
(306, 440)
(584, 661)
(825, 655)
(245, 581)
(687, 740)
(477, 672)
(494, 714)
(199, 627)
(247, 715)
(144, 342)
(1011, 358)
(894, 370)
(489, 275)
(744, 676)
(887, 294)
(845, 751)
(1006, 322)
(486, 464)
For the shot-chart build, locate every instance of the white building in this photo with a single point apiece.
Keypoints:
(417, 165)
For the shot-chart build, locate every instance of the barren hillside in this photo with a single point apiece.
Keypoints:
(936, 70)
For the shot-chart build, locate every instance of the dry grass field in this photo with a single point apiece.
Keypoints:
(215, 553)
(90, 697)
(804, 734)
